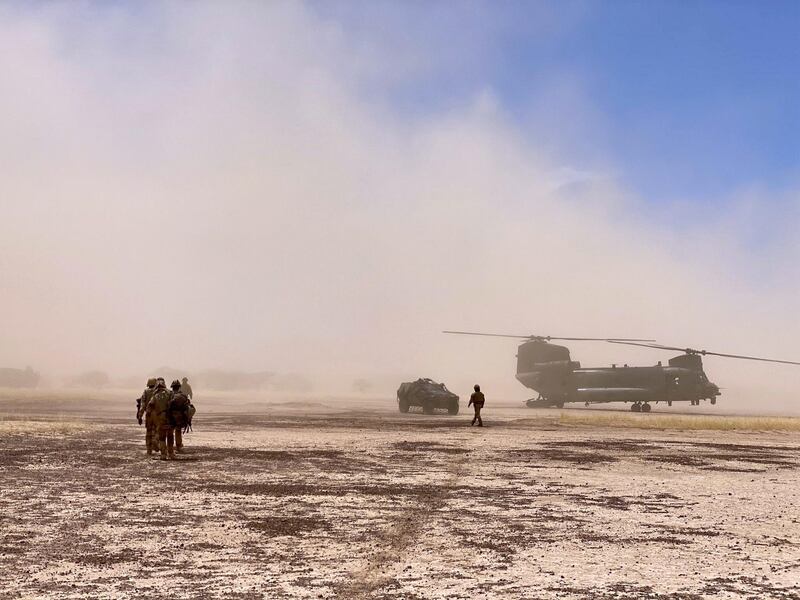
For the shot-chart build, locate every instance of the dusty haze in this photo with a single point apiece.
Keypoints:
(209, 185)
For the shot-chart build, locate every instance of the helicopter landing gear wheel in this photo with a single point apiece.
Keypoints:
(636, 407)
(646, 407)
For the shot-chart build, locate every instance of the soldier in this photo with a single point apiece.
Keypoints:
(186, 389)
(160, 407)
(178, 413)
(143, 410)
(477, 400)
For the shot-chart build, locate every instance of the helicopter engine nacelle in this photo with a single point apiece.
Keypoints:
(544, 367)
(687, 361)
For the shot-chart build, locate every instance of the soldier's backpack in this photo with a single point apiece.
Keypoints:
(178, 410)
(189, 414)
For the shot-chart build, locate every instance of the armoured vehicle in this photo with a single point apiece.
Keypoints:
(428, 394)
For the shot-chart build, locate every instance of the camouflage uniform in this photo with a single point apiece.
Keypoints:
(178, 413)
(160, 414)
(186, 389)
(477, 400)
(143, 410)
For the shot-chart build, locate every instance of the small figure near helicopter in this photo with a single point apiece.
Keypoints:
(549, 370)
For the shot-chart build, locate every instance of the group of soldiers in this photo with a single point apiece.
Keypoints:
(167, 415)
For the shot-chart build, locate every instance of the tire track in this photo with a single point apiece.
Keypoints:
(396, 539)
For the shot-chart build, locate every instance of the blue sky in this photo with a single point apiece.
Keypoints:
(689, 101)
(296, 143)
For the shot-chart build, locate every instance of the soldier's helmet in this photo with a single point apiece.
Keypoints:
(185, 379)
(151, 382)
(160, 383)
(175, 385)
(477, 388)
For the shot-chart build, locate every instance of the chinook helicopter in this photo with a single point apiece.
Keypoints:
(548, 370)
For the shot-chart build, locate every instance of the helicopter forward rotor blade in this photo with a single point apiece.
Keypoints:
(548, 337)
(523, 337)
(707, 353)
(656, 346)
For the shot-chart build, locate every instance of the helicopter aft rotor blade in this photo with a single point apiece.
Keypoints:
(707, 352)
(772, 360)
(549, 337)
(583, 339)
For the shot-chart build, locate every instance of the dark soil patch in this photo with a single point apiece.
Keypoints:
(210, 454)
(429, 447)
(654, 504)
(610, 539)
(614, 502)
(744, 448)
(605, 445)
(560, 455)
(684, 460)
(244, 455)
(275, 526)
(727, 469)
(623, 591)
(750, 587)
(776, 460)
(307, 489)
(687, 531)
(506, 537)
(106, 559)
(782, 456)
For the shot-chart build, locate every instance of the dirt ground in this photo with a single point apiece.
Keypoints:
(328, 498)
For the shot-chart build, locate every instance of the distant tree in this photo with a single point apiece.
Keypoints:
(19, 378)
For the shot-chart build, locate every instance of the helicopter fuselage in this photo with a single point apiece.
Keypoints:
(622, 384)
(547, 369)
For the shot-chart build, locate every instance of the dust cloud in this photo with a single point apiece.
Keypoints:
(217, 186)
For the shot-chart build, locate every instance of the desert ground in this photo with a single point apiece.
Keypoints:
(348, 498)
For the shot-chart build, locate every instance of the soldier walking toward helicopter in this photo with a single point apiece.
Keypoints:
(145, 412)
(164, 431)
(477, 400)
